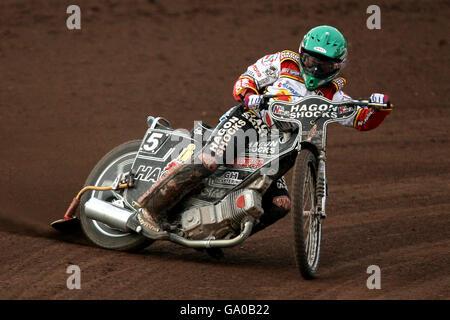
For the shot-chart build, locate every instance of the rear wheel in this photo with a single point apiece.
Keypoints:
(306, 220)
(117, 161)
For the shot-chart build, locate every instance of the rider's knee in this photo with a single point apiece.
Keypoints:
(208, 161)
(282, 203)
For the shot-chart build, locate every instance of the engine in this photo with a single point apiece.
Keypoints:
(223, 219)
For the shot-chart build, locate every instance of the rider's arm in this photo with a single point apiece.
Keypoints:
(243, 87)
(368, 119)
(365, 119)
(259, 75)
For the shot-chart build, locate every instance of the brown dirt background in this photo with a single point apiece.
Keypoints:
(68, 97)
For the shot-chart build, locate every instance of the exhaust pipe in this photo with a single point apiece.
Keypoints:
(107, 213)
(248, 226)
(117, 218)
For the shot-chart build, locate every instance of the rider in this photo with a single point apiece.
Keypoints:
(311, 71)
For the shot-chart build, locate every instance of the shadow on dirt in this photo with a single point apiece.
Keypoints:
(162, 251)
(40, 231)
(244, 256)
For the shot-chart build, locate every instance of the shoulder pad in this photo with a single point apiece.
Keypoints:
(289, 55)
(330, 88)
(339, 83)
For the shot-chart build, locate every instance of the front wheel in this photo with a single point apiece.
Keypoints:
(305, 218)
(117, 161)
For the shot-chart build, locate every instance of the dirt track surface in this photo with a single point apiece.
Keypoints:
(68, 97)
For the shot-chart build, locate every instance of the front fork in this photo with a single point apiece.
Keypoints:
(321, 187)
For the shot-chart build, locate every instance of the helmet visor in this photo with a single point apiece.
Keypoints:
(317, 67)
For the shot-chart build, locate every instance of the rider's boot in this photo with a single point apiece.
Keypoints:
(145, 223)
(168, 191)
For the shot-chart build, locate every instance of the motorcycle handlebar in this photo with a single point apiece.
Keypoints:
(367, 103)
(361, 103)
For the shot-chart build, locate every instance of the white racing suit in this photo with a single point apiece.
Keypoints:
(279, 74)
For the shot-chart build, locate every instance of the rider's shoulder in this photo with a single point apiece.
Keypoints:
(339, 83)
(289, 55)
(280, 57)
(328, 90)
(334, 85)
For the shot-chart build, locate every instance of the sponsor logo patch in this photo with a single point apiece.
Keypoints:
(281, 183)
(363, 122)
(229, 177)
(282, 202)
(314, 110)
(312, 133)
(147, 173)
(340, 82)
(257, 123)
(320, 49)
(253, 163)
(280, 110)
(263, 147)
(225, 134)
(289, 55)
(255, 68)
(290, 72)
(284, 95)
(271, 72)
(269, 59)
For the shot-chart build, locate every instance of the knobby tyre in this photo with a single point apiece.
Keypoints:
(306, 221)
(118, 160)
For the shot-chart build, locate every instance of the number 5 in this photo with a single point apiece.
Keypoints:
(152, 141)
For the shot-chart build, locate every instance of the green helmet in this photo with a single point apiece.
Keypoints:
(323, 53)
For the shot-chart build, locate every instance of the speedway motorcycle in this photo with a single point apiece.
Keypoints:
(222, 210)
